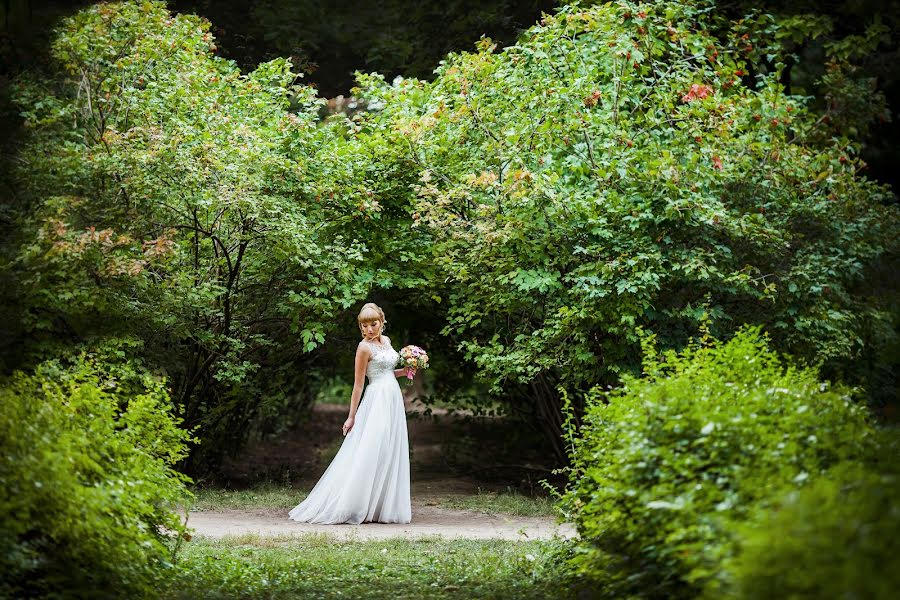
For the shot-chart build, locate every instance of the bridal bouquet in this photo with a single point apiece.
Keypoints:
(413, 357)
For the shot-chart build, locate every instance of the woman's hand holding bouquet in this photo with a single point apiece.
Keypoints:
(413, 358)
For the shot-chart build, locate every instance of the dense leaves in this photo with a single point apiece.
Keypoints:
(614, 168)
(668, 463)
(88, 446)
(836, 538)
(183, 202)
(617, 168)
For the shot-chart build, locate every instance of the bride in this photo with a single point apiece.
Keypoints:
(368, 479)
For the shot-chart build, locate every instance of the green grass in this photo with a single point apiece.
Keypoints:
(508, 503)
(319, 566)
(267, 495)
(272, 495)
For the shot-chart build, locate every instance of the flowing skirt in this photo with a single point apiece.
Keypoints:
(368, 480)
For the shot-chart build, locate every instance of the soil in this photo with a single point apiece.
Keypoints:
(447, 450)
(426, 520)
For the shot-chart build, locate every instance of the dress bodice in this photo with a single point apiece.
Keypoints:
(383, 361)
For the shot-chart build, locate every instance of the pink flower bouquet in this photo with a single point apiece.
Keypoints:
(413, 357)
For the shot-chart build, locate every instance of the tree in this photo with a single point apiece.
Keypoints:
(175, 199)
(615, 169)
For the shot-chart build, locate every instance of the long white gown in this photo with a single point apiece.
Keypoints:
(368, 479)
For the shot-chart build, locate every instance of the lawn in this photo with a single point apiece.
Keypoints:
(272, 495)
(319, 566)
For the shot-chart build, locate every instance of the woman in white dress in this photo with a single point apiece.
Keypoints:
(368, 479)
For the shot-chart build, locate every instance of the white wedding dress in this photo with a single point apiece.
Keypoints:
(368, 479)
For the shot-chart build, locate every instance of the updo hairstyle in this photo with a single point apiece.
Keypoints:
(370, 312)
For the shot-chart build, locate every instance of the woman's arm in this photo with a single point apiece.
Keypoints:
(359, 377)
(397, 372)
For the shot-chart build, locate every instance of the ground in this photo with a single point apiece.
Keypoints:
(426, 520)
(496, 500)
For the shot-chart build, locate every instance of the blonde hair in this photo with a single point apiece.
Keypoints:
(370, 312)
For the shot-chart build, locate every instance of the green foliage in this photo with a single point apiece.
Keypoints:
(836, 538)
(666, 463)
(616, 168)
(335, 390)
(819, 54)
(88, 488)
(176, 199)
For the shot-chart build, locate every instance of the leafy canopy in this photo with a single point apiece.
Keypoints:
(618, 168)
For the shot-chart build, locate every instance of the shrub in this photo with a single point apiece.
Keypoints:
(837, 538)
(666, 462)
(617, 167)
(87, 485)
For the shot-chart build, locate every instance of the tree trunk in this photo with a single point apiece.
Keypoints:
(548, 410)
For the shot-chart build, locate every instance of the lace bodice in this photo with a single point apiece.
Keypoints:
(383, 361)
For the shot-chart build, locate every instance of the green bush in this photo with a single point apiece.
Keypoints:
(87, 485)
(619, 166)
(666, 463)
(837, 538)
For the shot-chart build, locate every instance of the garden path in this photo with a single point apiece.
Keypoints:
(300, 459)
(426, 521)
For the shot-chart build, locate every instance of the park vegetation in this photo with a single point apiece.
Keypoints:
(642, 243)
(727, 471)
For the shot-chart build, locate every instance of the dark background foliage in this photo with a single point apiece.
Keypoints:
(331, 40)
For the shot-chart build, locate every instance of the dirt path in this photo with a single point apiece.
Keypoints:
(301, 456)
(426, 520)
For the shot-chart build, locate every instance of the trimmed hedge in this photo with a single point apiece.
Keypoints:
(837, 538)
